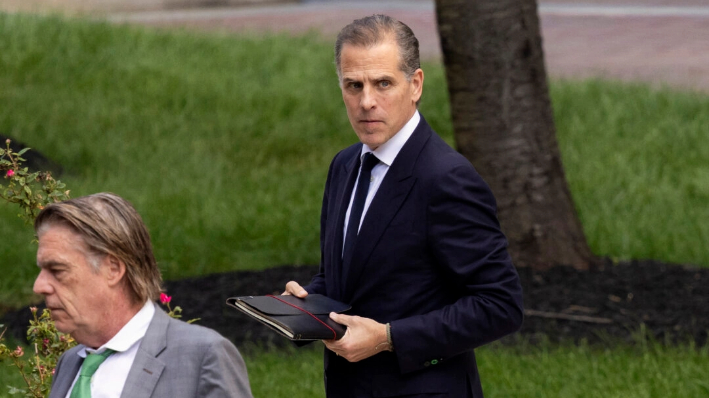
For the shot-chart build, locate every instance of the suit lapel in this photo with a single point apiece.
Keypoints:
(386, 203)
(68, 368)
(147, 368)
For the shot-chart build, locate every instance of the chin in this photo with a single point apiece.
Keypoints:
(372, 141)
(60, 324)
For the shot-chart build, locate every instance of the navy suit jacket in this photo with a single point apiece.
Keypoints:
(430, 259)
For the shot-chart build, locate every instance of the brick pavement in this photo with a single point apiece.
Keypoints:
(658, 49)
(656, 41)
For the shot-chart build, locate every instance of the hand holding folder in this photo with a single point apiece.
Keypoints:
(298, 319)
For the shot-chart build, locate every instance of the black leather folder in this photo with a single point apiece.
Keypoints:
(298, 319)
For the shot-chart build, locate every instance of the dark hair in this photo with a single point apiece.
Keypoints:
(109, 225)
(373, 30)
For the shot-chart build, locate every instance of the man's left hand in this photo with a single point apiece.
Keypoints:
(364, 337)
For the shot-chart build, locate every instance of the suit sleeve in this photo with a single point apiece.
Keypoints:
(317, 284)
(223, 373)
(466, 242)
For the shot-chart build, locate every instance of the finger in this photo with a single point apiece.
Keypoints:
(332, 345)
(295, 289)
(290, 286)
(341, 319)
(338, 345)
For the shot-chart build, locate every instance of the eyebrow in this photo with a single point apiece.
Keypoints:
(50, 263)
(375, 78)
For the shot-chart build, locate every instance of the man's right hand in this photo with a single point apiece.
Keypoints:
(293, 288)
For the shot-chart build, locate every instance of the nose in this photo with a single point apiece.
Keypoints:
(41, 284)
(368, 100)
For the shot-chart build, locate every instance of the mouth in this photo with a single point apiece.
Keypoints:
(53, 309)
(368, 122)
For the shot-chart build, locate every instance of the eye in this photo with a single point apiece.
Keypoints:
(355, 85)
(57, 272)
(385, 83)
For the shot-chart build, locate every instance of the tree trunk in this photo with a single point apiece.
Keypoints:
(504, 124)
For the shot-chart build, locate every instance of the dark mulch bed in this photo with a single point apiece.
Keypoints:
(607, 305)
(34, 160)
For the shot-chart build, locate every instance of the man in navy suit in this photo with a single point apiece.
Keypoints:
(419, 254)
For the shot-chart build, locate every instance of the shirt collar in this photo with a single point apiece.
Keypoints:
(387, 152)
(130, 333)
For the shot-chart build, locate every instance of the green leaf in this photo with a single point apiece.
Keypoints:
(22, 151)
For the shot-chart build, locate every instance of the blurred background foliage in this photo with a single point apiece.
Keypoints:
(222, 143)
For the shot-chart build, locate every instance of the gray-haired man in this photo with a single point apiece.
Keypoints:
(99, 278)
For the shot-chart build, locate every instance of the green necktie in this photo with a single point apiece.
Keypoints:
(82, 388)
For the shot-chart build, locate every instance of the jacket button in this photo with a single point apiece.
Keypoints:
(435, 361)
(426, 363)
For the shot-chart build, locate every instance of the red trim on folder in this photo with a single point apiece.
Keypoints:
(334, 334)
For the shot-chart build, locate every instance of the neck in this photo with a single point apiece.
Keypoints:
(117, 314)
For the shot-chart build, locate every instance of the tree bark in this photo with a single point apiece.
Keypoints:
(504, 124)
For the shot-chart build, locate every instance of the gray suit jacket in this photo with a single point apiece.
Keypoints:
(174, 360)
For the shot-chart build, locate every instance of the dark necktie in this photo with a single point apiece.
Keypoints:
(82, 387)
(360, 197)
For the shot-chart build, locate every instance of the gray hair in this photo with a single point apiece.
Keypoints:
(373, 30)
(109, 225)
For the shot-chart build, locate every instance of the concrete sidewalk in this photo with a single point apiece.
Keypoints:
(664, 42)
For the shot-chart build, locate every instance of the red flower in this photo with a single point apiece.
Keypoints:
(10, 173)
(19, 351)
(164, 298)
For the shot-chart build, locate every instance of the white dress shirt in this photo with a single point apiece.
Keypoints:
(109, 379)
(386, 153)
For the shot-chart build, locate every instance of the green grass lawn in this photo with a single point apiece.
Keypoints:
(520, 371)
(524, 371)
(223, 142)
(636, 160)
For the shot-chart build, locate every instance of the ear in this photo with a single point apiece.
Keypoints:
(114, 270)
(417, 85)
